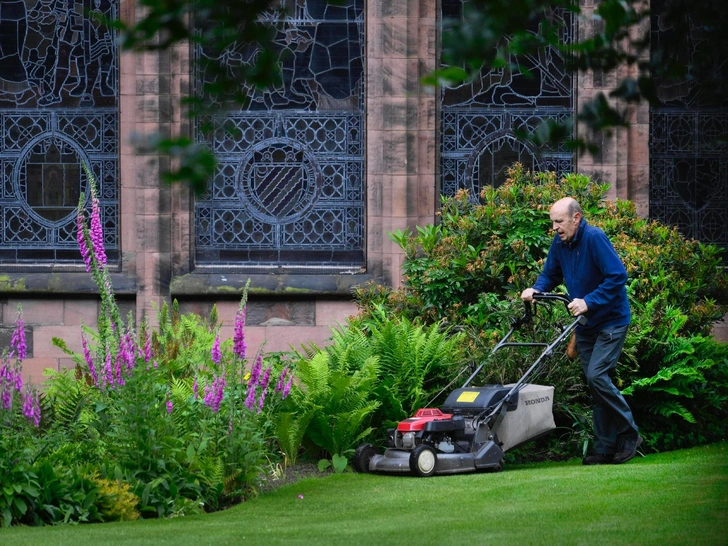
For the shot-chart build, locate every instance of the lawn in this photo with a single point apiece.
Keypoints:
(667, 499)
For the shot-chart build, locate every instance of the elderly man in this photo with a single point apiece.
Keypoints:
(583, 257)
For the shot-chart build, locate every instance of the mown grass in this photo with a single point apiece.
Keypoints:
(669, 499)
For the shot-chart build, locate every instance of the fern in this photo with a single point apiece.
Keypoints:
(68, 398)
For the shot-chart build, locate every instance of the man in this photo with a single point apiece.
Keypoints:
(583, 257)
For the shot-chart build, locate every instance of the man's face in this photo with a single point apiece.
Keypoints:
(563, 223)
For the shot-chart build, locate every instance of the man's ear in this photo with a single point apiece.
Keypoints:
(577, 216)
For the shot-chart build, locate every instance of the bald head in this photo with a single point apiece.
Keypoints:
(569, 204)
(565, 218)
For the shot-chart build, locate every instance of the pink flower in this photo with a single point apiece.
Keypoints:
(239, 345)
(216, 354)
(250, 398)
(281, 380)
(255, 372)
(96, 231)
(287, 388)
(89, 360)
(253, 383)
(17, 341)
(31, 407)
(265, 380)
(109, 379)
(215, 394)
(169, 406)
(85, 252)
(195, 389)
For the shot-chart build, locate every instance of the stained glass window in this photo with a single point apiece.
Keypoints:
(289, 186)
(688, 150)
(58, 109)
(479, 118)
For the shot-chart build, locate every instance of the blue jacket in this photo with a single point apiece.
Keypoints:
(592, 271)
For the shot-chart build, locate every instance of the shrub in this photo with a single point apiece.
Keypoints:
(481, 255)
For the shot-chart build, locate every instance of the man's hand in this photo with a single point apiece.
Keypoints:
(577, 306)
(527, 294)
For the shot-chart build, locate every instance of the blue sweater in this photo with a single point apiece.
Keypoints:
(592, 271)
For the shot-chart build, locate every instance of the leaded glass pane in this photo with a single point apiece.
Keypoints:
(688, 150)
(289, 185)
(58, 109)
(479, 118)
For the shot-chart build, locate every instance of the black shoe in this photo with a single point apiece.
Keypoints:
(627, 449)
(598, 458)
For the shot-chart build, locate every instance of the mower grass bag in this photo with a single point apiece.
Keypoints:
(532, 418)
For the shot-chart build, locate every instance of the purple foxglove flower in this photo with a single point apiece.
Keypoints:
(17, 379)
(264, 382)
(230, 426)
(31, 407)
(109, 379)
(216, 354)
(89, 360)
(96, 231)
(261, 401)
(239, 345)
(169, 407)
(255, 372)
(36, 407)
(118, 368)
(7, 399)
(85, 252)
(250, 398)
(220, 392)
(287, 388)
(195, 389)
(215, 394)
(17, 341)
(128, 352)
(265, 378)
(281, 380)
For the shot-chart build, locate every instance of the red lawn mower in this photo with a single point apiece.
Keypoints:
(476, 425)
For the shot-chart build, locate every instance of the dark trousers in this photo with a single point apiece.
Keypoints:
(599, 352)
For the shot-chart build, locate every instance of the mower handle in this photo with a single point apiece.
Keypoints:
(552, 296)
(530, 306)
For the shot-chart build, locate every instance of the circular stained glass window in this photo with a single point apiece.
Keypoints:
(279, 181)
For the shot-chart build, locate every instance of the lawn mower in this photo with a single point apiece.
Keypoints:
(475, 426)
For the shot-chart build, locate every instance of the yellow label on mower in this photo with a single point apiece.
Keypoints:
(468, 396)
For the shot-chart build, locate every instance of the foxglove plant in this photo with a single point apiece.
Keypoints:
(91, 246)
(264, 381)
(215, 353)
(17, 341)
(239, 345)
(11, 378)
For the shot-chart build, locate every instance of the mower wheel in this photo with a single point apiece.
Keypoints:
(423, 461)
(363, 455)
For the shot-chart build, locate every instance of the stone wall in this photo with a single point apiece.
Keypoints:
(157, 255)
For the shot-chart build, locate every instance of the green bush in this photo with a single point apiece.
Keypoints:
(469, 269)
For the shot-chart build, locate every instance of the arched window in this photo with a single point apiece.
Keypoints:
(688, 150)
(479, 119)
(58, 109)
(289, 189)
